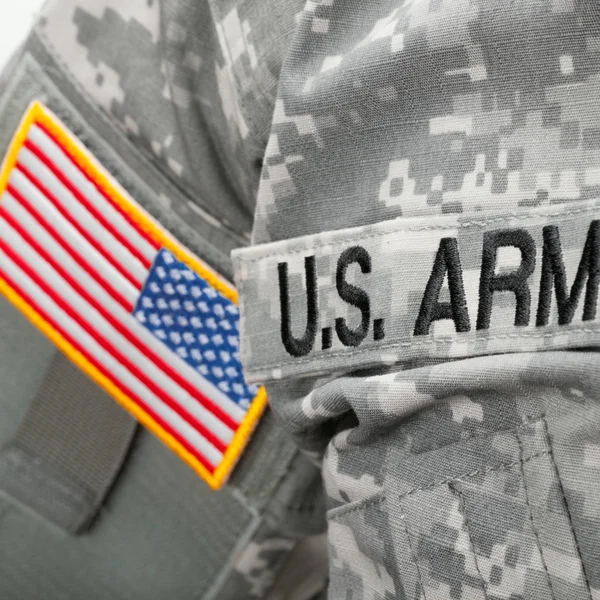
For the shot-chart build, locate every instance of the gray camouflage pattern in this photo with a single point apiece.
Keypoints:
(473, 478)
(424, 107)
(194, 92)
(444, 479)
(463, 479)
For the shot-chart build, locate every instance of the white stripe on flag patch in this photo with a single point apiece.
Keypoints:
(11, 207)
(57, 155)
(87, 312)
(133, 308)
(27, 160)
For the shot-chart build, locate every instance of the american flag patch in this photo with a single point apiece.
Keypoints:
(144, 317)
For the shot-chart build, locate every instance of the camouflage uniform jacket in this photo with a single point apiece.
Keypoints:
(443, 393)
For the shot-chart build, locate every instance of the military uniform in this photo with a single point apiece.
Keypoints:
(410, 191)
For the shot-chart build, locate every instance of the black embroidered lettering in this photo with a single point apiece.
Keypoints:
(553, 274)
(447, 260)
(353, 295)
(378, 329)
(303, 345)
(326, 338)
(515, 282)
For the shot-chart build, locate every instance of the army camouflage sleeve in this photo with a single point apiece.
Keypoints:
(410, 190)
(414, 297)
(173, 99)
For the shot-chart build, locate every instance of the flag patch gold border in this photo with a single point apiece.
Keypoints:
(37, 113)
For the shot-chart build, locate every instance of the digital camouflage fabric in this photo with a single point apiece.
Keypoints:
(473, 478)
(237, 122)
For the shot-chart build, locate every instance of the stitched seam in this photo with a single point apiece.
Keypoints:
(189, 192)
(413, 555)
(567, 510)
(340, 511)
(356, 237)
(454, 340)
(530, 514)
(484, 471)
(462, 509)
(527, 421)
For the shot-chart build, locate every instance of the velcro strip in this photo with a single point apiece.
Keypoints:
(68, 450)
(444, 287)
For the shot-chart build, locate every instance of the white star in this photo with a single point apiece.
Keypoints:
(187, 274)
(202, 369)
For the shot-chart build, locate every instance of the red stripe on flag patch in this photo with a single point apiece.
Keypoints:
(104, 193)
(137, 311)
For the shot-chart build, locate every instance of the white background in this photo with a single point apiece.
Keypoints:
(16, 19)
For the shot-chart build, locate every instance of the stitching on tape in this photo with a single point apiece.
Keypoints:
(357, 237)
(326, 355)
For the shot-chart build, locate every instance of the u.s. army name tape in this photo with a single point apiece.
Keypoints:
(450, 286)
